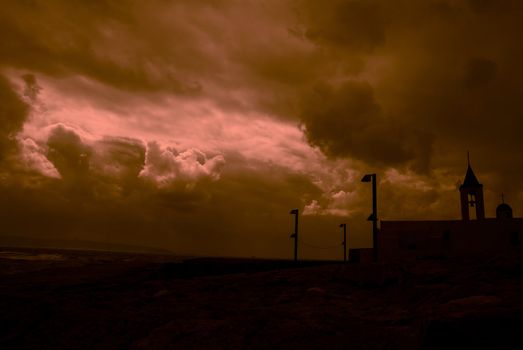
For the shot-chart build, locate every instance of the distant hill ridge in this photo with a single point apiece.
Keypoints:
(60, 243)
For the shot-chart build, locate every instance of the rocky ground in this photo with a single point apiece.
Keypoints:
(91, 300)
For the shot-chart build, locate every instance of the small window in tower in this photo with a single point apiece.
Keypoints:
(514, 238)
(472, 199)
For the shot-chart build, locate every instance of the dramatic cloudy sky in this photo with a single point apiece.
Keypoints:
(196, 126)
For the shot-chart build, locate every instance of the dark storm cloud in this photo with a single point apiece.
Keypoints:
(445, 62)
(489, 6)
(117, 43)
(438, 78)
(68, 153)
(13, 114)
(414, 57)
(479, 72)
(348, 25)
(347, 121)
(32, 88)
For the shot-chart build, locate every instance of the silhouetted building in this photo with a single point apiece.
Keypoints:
(471, 195)
(503, 211)
(361, 255)
(472, 235)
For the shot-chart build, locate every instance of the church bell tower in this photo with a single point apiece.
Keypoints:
(471, 193)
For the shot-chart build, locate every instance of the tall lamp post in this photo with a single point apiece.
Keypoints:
(344, 241)
(374, 216)
(295, 234)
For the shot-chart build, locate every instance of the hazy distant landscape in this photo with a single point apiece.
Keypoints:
(100, 300)
(78, 244)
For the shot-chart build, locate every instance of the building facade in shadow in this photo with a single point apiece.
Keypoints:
(473, 235)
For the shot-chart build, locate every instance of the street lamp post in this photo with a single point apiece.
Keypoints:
(295, 234)
(374, 216)
(344, 241)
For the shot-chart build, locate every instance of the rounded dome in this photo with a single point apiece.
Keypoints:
(504, 211)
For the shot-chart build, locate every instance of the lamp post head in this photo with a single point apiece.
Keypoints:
(367, 178)
(342, 225)
(294, 211)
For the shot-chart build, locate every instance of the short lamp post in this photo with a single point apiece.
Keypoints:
(374, 216)
(344, 226)
(295, 234)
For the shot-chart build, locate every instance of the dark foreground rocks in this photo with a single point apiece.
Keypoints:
(89, 300)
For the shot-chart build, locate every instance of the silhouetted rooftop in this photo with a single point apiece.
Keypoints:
(470, 179)
(504, 206)
(504, 211)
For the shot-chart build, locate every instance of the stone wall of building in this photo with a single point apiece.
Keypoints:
(399, 240)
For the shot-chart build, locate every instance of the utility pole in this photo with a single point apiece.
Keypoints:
(344, 241)
(295, 234)
(374, 216)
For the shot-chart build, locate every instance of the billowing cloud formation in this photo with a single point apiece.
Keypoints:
(118, 157)
(144, 117)
(336, 204)
(69, 154)
(168, 165)
(33, 156)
